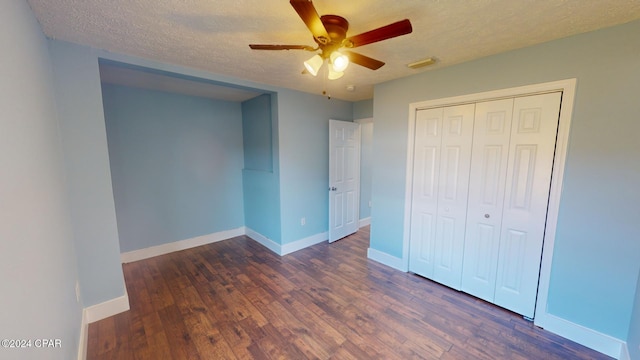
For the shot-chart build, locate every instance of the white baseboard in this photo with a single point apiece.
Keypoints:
(590, 338)
(624, 353)
(108, 308)
(386, 259)
(95, 313)
(364, 222)
(281, 250)
(157, 250)
(303, 243)
(286, 248)
(84, 336)
(264, 241)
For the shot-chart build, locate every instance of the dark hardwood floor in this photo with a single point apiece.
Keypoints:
(236, 299)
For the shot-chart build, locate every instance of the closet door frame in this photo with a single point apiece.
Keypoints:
(567, 86)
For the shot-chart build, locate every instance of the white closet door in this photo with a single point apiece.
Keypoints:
(486, 194)
(455, 161)
(531, 151)
(424, 208)
(441, 179)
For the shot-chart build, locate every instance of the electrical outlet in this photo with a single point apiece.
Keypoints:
(369, 203)
(303, 221)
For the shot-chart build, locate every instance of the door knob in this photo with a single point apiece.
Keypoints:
(487, 216)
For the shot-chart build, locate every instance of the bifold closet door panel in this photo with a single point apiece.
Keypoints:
(424, 202)
(531, 152)
(440, 185)
(490, 153)
(455, 163)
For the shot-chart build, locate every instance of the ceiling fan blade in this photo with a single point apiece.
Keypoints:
(399, 28)
(281, 47)
(365, 61)
(309, 15)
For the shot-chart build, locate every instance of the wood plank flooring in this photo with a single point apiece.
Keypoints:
(235, 299)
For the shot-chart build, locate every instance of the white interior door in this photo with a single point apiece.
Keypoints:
(441, 180)
(531, 151)
(344, 178)
(486, 195)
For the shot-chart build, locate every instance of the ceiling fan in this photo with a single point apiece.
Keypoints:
(330, 35)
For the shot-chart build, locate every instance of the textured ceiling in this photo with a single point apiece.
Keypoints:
(213, 35)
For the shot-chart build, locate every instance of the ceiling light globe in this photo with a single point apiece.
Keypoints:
(313, 65)
(333, 75)
(339, 61)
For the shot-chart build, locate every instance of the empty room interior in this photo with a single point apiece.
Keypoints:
(323, 180)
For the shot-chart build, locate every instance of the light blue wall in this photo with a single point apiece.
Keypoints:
(633, 341)
(176, 164)
(363, 109)
(597, 252)
(261, 186)
(303, 125)
(38, 268)
(366, 167)
(257, 133)
(84, 142)
(302, 122)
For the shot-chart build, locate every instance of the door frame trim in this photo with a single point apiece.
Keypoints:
(568, 88)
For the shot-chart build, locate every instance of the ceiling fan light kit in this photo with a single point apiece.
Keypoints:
(338, 62)
(330, 34)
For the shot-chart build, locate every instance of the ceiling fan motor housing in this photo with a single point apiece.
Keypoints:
(336, 27)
